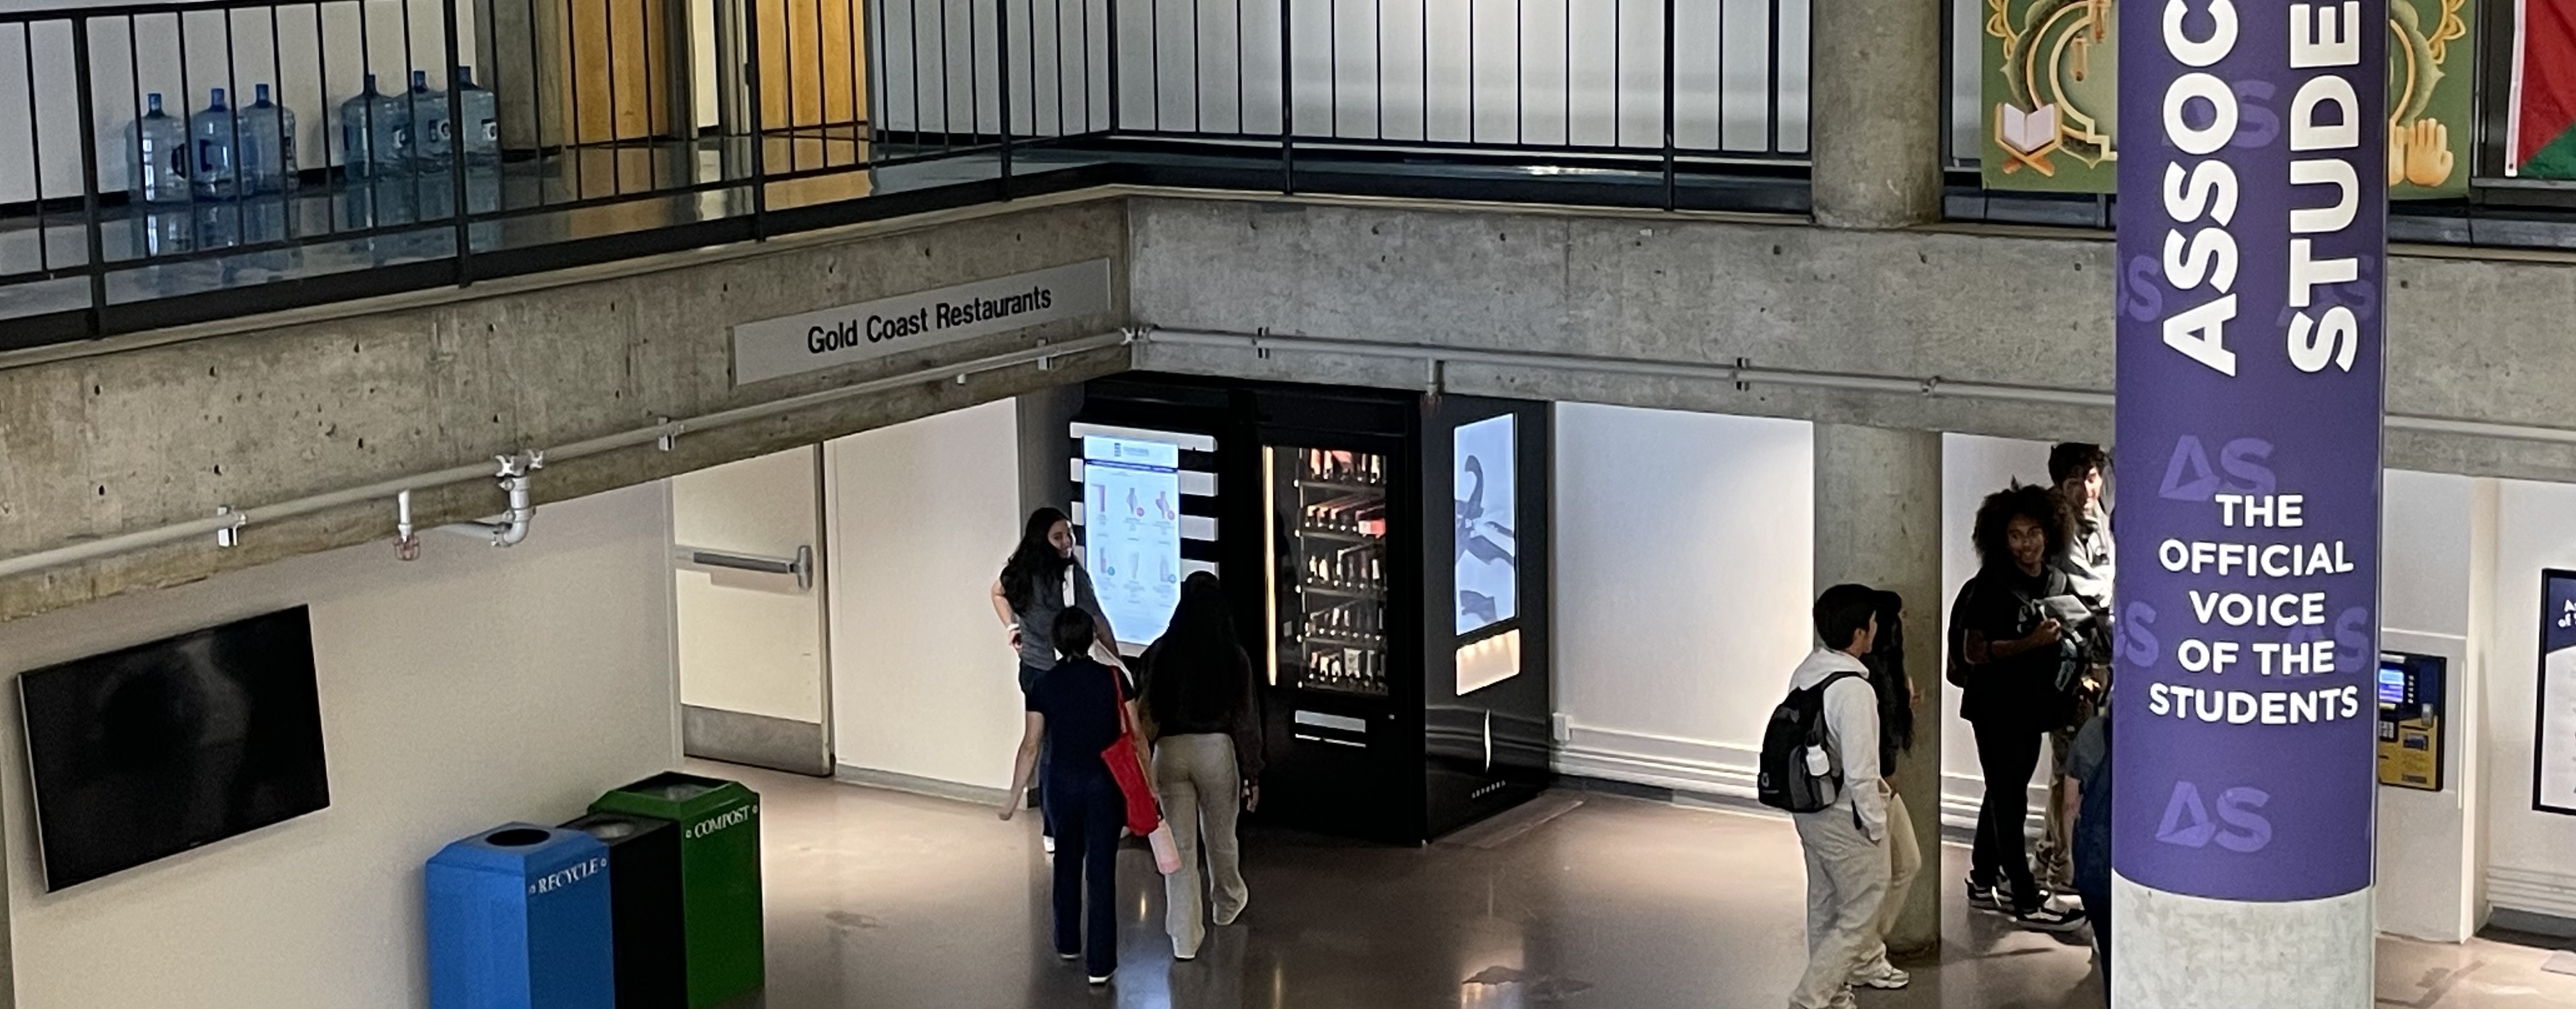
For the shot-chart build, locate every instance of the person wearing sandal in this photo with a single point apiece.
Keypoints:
(1201, 703)
(1074, 706)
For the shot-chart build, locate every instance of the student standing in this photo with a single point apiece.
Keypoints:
(1199, 696)
(2078, 472)
(1040, 580)
(1897, 700)
(2075, 470)
(1074, 705)
(1845, 842)
(2088, 782)
(2012, 646)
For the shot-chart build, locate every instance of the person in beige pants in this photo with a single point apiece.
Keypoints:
(1904, 862)
(1202, 791)
(1898, 702)
(1205, 717)
(1845, 843)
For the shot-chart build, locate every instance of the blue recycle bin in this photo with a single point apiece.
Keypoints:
(519, 919)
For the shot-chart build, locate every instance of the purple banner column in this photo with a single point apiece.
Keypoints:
(2252, 244)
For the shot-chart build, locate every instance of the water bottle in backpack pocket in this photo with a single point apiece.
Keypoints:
(1797, 772)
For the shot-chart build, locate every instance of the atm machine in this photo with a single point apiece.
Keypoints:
(2410, 721)
(1386, 553)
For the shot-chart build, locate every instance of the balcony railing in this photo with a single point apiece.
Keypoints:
(372, 146)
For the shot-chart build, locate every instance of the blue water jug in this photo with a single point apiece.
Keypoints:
(157, 170)
(480, 136)
(375, 133)
(214, 134)
(267, 151)
(430, 131)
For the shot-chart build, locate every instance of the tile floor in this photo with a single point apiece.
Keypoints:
(880, 898)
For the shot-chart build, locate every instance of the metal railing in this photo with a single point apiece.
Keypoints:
(363, 147)
(543, 133)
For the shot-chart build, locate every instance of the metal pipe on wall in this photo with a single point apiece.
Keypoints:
(233, 520)
(1433, 357)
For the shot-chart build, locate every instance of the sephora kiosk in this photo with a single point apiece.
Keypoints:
(1387, 557)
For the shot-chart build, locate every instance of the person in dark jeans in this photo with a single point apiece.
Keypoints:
(1038, 581)
(1074, 705)
(2088, 776)
(2011, 647)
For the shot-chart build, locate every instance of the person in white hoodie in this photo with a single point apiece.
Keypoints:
(1846, 842)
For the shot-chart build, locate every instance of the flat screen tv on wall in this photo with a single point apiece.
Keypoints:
(149, 751)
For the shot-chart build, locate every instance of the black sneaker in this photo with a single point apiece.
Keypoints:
(1982, 897)
(2049, 917)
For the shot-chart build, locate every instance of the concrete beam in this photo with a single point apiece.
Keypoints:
(142, 437)
(2470, 337)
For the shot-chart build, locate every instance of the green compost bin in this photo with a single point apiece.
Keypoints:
(719, 876)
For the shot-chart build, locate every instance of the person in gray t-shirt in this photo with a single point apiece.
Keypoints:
(1039, 581)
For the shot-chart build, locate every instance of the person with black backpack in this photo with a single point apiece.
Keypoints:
(2018, 655)
(1820, 758)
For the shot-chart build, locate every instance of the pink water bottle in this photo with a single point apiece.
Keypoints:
(1167, 852)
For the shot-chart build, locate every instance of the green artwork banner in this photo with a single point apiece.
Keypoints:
(2052, 72)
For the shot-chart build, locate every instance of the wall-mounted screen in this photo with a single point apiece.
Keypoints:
(2553, 774)
(1485, 495)
(1131, 511)
(150, 751)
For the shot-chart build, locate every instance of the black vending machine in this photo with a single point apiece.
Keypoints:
(1387, 557)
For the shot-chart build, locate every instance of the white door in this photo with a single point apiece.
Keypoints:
(747, 556)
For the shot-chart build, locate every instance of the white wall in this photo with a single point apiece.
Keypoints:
(1684, 556)
(1973, 466)
(1362, 69)
(1494, 73)
(933, 65)
(2531, 855)
(921, 515)
(466, 689)
(2427, 841)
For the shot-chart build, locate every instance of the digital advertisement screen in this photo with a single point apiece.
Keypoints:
(1131, 491)
(1485, 491)
(2554, 779)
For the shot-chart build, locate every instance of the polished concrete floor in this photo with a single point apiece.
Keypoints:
(885, 899)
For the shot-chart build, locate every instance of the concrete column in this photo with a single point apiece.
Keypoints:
(519, 53)
(1878, 522)
(1876, 112)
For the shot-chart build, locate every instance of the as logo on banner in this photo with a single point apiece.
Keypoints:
(2187, 823)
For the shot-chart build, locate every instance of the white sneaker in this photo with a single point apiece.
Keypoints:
(2050, 916)
(1049, 841)
(1099, 979)
(1884, 977)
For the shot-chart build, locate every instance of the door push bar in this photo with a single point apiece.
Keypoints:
(802, 565)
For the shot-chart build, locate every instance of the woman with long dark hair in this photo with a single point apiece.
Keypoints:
(1199, 696)
(1040, 581)
(1075, 703)
(1897, 699)
(2012, 643)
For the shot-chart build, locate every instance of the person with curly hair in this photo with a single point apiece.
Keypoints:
(2012, 645)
